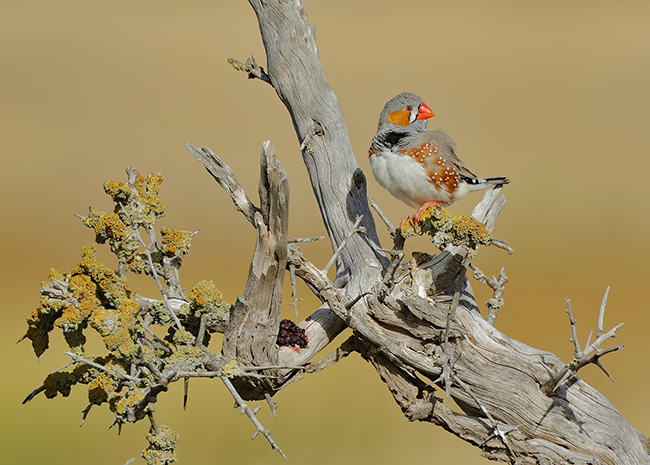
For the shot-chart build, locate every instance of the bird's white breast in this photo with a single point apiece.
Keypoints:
(405, 178)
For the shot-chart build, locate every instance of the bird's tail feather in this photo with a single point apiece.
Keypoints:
(497, 181)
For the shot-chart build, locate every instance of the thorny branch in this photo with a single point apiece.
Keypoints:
(591, 353)
(154, 273)
(498, 285)
(250, 413)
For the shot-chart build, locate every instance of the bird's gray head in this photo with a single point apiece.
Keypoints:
(405, 110)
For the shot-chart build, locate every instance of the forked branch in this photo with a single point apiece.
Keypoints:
(592, 351)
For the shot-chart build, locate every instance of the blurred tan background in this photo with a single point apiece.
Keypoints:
(554, 95)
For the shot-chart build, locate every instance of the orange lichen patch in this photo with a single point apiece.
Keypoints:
(51, 277)
(102, 388)
(188, 355)
(148, 190)
(175, 242)
(75, 316)
(205, 298)
(110, 227)
(106, 226)
(183, 337)
(59, 382)
(120, 192)
(161, 446)
(113, 286)
(122, 405)
(232, 369)
(204, 293)
(138, 263)
(446, 229)
(141, 203)
(119, 327)
(399, 117)
(470, 232)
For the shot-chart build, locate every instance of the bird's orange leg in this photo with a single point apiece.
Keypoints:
(415, 218)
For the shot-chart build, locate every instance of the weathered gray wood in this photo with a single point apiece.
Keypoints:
(297, 76)
(402, 324)
(251, 334)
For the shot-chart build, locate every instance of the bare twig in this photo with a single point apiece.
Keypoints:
(293, 240)
(34, 393)
(272, 405)
(201, 334)
(382, 215)
(77, 359)
(252, 68)
(245, 409)
(222, 173)
(498, 285)
(292, 275)
(186, 391)
(152, 420)
(591, 353)
(345, 349)
(502, 244)
(355, 229)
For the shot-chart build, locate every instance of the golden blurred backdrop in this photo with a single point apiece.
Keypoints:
(553, 94)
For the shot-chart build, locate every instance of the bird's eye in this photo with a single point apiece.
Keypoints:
(409, 108)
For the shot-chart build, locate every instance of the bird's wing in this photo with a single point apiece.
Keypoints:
(447, 148)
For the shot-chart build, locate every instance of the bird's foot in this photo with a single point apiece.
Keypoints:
(414, 220)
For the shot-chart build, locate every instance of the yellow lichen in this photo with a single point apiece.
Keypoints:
(175, 242)
(446, 229)
(205, 298)
(95, 297)
(110, 227)
(123, 404)
(162, 444)
(231, 370)
(102, 388)
(113, 286)
(193, 357)
(119, 327)
(120, 192)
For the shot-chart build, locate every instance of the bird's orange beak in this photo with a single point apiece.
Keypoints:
(424, 112)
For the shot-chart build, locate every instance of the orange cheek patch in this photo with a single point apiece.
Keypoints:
(399, 117)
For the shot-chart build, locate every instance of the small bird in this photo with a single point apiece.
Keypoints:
(418, 166)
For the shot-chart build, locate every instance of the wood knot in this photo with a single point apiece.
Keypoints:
(359, 178)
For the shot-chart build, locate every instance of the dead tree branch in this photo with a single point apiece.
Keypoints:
(591, 353)
(401, 322)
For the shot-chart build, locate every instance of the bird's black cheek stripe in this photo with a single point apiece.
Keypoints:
(392, 138)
